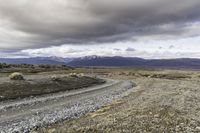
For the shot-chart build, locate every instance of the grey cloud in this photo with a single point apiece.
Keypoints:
(130, 49)
(171, 46)
(10, 54)
(117, 49)
(43, 23)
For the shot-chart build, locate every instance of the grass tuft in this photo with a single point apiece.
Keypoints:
(16, 76)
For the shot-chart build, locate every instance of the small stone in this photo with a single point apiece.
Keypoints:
(2, 97)
(198, 128)
(51, 130)
(156, 116)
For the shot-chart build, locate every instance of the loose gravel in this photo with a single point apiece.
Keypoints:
(31, 113)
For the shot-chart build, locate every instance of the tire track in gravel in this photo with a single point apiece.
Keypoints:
(30, 113)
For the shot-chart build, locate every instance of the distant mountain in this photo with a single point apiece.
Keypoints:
(36, 60)
(135, 62)
(116, 61)
(60, 59)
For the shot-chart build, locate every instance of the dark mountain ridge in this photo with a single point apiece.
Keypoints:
(116, 61)
(36, 60)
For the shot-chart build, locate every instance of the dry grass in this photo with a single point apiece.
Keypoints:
(23, 88)
(16, 76)
(167, 102)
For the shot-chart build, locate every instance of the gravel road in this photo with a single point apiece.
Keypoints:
(30, 113)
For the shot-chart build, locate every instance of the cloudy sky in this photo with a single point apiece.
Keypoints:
(73, 28)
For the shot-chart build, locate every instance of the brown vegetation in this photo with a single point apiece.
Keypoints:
(163, 101)
(43, 85)
(29, 68)
(16, 76)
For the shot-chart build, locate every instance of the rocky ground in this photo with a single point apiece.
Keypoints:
(166, 101)
(27, 114)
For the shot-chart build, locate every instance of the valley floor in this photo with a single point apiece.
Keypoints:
(158, 104)
(87, 94)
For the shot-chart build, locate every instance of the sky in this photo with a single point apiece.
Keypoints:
(74, 28)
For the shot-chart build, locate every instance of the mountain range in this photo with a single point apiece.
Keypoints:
(36, 60)
(116, 61)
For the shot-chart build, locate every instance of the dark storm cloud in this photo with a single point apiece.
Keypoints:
(43, 23)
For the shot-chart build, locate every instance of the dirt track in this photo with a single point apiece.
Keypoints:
(29, 113)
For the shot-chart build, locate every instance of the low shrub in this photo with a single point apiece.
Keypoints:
(81, 74)
(73, 75)
(56, 78)
(16, 76)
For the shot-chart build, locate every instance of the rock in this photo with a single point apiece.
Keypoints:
(198, 128)
(55, 78)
